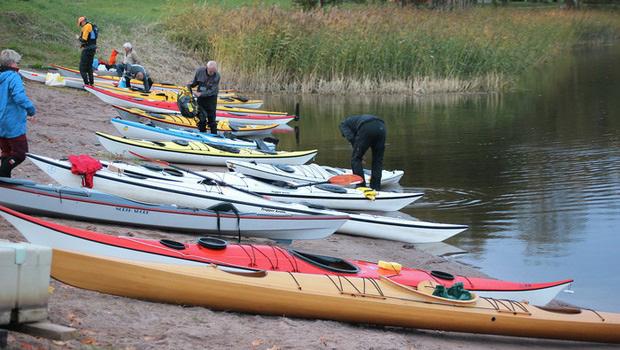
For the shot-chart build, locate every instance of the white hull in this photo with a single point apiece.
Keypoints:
(351, 200)
(92, 205)
(305, 173)
(33, 76)
(75, 83)
(125, 150)
(201, 196)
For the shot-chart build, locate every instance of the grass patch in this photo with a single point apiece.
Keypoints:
(44, 32)
(383, 48)
(271, 45)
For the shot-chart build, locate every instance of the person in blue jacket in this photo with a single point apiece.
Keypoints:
(363, 132)
(14, 107)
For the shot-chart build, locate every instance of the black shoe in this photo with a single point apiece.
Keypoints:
(5, 168)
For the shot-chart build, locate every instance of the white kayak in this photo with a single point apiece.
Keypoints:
(204, 195)
(194, 152)
(304, 173)
(324, 195)
(91, 205)
(136, 130)
(76, 83)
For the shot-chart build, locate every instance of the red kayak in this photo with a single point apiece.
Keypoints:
(115, 99)
(261, 257)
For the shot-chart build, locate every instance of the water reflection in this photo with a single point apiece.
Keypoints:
(535, 173)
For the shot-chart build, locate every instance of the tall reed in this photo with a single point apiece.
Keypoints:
(381, 48)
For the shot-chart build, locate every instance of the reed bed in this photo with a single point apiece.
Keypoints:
(382, 48)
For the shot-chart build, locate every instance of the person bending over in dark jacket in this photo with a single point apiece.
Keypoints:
(14, 106)
(363, 132)
(208, 81)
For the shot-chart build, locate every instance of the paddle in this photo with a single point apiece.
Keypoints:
(341, 180)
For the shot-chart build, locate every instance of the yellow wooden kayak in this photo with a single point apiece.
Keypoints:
(350, 299)
(191, 124)
(195, 152)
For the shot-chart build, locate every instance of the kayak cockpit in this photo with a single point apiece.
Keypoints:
(326, 262)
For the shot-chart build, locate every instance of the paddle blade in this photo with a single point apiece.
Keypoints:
(345, 179)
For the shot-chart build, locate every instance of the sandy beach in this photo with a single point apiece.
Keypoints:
(65, 124)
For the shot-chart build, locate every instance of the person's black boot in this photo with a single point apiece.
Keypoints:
(5, 168)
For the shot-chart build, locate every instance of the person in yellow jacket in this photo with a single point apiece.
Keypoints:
(88, 44)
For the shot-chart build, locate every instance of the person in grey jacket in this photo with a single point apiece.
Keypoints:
(363, 132)
(208, 81)
(15, 110)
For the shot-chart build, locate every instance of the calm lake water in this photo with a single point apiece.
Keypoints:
(535, 173)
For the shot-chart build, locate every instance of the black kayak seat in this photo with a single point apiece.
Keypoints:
(331, 188)
(172, 244)
(173, 172)
(134, 175)
(442, 275)
(183, 143)
(157, 115)
(212, 243)
(223, 148)
(153, 167)
(223, 207)
(278, 183)
(326, 262)
(284, 167)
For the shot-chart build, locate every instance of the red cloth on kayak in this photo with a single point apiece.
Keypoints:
(86, 166)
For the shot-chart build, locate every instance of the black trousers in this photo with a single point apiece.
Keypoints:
(370, 135)
(206, 112)
(86, 65)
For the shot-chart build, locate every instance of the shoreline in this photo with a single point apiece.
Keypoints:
(65, 124)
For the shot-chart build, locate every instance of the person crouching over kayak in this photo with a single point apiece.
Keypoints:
(363, 132)
(208, 81)
(88, 43)
(14, 107)
(136, 71)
